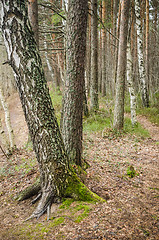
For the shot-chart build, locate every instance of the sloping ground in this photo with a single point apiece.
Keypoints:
(132, 207)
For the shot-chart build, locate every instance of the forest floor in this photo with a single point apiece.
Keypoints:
(131, 210)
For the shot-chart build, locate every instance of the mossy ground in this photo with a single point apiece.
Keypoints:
(69, 209)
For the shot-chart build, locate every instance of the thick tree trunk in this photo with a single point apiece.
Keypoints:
(74, 84)
(142, 75)
(56, 179)
(94, 57)
(121, 71)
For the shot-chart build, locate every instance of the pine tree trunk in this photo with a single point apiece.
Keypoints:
(103, 49)
(94, 57)
(142, 75)
(74, 84)
(121, 71)
(33, 17)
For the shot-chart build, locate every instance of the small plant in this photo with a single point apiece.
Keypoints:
(131, 171)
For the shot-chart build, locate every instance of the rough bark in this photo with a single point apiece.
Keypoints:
(57, 180)
(94, 58)
(142, 75)
(33, 17)
(121, 71)
(74, 84)
(103, 49)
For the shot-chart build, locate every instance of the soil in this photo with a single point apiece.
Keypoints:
(131, 210)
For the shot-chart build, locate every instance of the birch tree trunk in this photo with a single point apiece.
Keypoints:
(94, 57)
(57, 180)
(147, 43)
(131, 86)
(142, 74)
(7, 120)
(121, 71)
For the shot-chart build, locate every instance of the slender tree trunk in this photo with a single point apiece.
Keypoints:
(147, 42)
(142, 75)
(117, 44)
(74, 84)
(120, 84)
(47, 59)
(56, 179)
(3, 140)
(88, 55)
(94, 57)
(100, 54)
(131, 86)
(33, 17)
(103, 49)
(7, 120)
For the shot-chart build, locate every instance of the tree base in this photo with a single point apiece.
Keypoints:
(74, 189)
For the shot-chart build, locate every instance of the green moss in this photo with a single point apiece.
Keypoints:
(66, 203)
(56, 222)
(131, 171)
(86, 209)
(78, 191)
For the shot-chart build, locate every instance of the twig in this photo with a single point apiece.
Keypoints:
(3, 152)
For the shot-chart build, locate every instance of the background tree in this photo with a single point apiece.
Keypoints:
(121, 71)
(33, 17)
(94, 57)
(142, 74)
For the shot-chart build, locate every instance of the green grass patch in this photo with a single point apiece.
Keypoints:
(151, 113)
(97, 121)
(137, 130)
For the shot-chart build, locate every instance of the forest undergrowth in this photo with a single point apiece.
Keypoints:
(123, 169)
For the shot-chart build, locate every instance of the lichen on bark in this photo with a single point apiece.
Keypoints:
(56, 177)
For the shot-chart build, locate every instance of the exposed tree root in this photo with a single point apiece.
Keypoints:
(30, 191)
(74, 188)
(48, 197)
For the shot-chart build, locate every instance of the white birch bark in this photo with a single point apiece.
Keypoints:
(142, 75)
(7, 119)
(131, 86)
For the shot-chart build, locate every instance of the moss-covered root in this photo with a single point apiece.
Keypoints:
(78, 191)
(30, 191)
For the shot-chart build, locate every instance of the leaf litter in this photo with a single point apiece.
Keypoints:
(131, 210)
